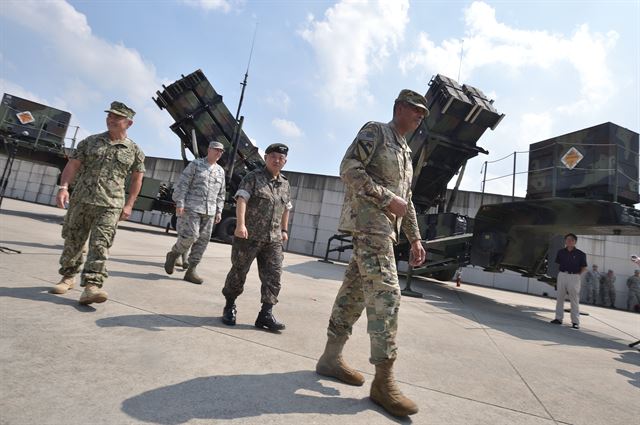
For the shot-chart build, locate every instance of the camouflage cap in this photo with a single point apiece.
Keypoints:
(215, 145)
(121, 109)
(277, 147)
(413, 98)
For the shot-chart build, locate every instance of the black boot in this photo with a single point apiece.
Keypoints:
(266, 320)
(229, 312)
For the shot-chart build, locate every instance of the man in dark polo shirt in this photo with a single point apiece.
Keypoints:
(572, 263)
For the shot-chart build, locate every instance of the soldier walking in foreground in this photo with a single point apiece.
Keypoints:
(591, 283)
(633, 299)
(377, 173)
(199, 198)
(608, 289)
(262, 210)
(572, 263)
(99, 166)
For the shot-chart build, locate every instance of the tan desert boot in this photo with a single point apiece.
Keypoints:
(386, 393)
(64, 285)
(192, 276)
(332, 364)
(93, 294)
(170, 262)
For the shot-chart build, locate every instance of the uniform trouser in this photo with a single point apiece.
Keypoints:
(633, 298)
(99, 225)
(371, 282)
(568, 283)
(607, 294)
(194, 231)
(269, 255)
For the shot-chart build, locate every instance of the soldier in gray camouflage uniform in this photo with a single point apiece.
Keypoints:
(591, 282)
(608, 289)
(99, 166)
(263, 203)
(377, 173)
(199, 198)
(633, 298)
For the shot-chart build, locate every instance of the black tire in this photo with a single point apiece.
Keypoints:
(224, 230)
(445, 275)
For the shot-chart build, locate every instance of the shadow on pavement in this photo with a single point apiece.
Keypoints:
(242, 396)
(52, 218)
(41, 293)
(32, 245)
(156, 322)
(318, 270)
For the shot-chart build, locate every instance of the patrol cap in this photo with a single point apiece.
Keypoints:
(413, 98)
(277, 147)
(215, 145)
(121, 109)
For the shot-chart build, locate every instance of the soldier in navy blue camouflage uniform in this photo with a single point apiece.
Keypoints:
(263, 203)
(98, 167)
(199, 198)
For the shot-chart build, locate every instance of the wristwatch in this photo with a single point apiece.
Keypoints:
(65, 187)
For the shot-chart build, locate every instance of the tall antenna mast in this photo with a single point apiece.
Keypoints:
(239, 120)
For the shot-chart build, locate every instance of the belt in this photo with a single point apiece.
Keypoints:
(562, 271)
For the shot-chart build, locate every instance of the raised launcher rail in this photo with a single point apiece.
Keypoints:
(197, 108)
(199, 113)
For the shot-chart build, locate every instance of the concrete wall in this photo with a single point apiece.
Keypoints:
(317, 202)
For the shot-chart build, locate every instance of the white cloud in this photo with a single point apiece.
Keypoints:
(489, 42)
(279, 100)
(287, 128)
(222, 5)
(111, 71)
(352, 41)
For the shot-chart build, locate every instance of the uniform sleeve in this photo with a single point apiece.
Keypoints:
(353, 167)
(245, 189)
(221, 193)
(81, 151)
(138, 162)
(410, 222)
(182, 187)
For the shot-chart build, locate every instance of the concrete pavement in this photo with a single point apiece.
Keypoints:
(156, 352)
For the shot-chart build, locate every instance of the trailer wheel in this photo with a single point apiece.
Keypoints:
(445, 275)
(224, 230)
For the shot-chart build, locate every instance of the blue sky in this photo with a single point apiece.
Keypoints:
(321, 69)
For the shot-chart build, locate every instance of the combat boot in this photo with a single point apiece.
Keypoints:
(92, 294)
(332, 364)
(267, 320)
(170, 262)
(183, 261)
(192, 276)
(229, 312)
(64, 285)
(386, 393)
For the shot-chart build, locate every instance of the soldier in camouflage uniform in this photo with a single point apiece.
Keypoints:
(263, 203)
(608, 289)
(633, 298)
(591, 282)
(99, 167)
(199, 198)
(377, 173)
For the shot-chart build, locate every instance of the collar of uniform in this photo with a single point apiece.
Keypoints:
(399, 137)
(126, 141)
(279, 178)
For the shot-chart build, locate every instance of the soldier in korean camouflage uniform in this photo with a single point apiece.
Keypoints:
(377, 173)
(98, 168)
(199, 198)
(263, 203)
